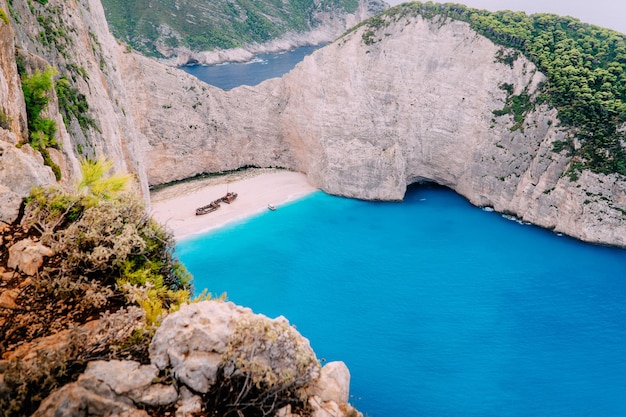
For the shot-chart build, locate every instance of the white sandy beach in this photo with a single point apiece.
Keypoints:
(175, 206)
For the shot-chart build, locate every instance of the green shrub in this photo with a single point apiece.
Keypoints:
(73, 104)
(36, 89)
(41, 130)
(4, 17)
(105, 244)
(5, 120)
(109, 256)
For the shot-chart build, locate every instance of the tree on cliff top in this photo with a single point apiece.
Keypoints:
(585, 66)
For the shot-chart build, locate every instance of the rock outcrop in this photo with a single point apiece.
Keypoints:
(20, 169)
(365, 119)
(185, 354)
(192, 342)
(73, 37)
(27, 256)
(111, 388)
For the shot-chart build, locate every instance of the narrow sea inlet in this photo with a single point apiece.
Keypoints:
(437, 307)
(230, 75)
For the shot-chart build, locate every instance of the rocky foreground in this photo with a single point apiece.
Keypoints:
(97, 318)
(185, 355)
(186, 368)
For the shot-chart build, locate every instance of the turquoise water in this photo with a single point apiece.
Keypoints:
(437, 307)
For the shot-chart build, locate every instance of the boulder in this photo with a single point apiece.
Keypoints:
(27, 256)
(6, 276)
(333, 383)
(7, 299)
(127, 379)
(201, 337)
(189, 404)
(331, 409)
(111, 388)
(74, 400)
(193, 340)
(20, 170)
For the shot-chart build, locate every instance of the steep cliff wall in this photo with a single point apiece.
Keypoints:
(19, 168)
(365, 119)
(417, 104)
(73, 37)
(192, 127)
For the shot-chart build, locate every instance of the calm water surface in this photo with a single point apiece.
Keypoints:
(437, 307)
(230, 75)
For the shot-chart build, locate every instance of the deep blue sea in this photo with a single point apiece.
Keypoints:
(229, 75)
(437, 307)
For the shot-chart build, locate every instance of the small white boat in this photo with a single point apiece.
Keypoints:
(271, 207)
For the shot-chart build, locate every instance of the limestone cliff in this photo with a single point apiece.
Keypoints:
(19, 168)
(73, 37)
(365, 119)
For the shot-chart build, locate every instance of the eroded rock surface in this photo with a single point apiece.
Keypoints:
(185, 353)
(365, 120)
(192, 342)
(27, 256)
(20, 169)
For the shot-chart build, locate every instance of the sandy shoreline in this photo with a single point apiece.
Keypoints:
(175, 206)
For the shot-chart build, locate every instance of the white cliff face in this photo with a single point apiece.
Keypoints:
(20, 168)
(12, 109)
(84, 50)
(365, 121)
(417, 104)
(193, 128)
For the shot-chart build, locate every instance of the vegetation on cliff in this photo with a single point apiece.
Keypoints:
(108, 255)
(65, 81)
(585, 66)
(203, 26)
(41, 130)
(107, 280)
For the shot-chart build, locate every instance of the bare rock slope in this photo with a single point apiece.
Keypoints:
(365, 119)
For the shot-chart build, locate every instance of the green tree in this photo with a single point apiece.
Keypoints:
(41, 130)
(585, 66)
